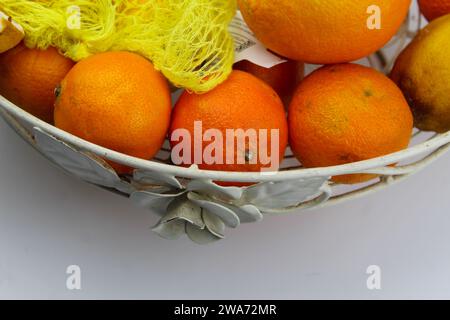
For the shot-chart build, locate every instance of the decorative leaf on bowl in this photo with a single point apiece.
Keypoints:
(184, 217)
(157, 199)
(225, 214)
(85, 166)
(208, 187)
(179, 212)
(247, 213)
(146, 177)
(213, 231)
(283, 194)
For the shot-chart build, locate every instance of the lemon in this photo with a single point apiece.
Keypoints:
(422, 71)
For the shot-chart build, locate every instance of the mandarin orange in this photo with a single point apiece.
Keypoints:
(117, 100)
(433, 9)
(242, 102)
(347, 113)
(29, 78)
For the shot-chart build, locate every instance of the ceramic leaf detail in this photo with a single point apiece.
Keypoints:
(202, 210)
(145, 177)
(227, 215)
(225, 198)
(157, 199)
(284, 194)
(247, 213)
(86, 166)
(212, 189)
(184, 217)
(213, 231)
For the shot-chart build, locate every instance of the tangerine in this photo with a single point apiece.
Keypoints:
(117, 100)
(347, 113)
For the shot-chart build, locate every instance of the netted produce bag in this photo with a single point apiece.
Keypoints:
(188, 40)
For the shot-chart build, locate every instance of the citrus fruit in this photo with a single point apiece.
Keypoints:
(347, 113)
(283, 78)
(242, 102)
(324, 31)
(117, 100)
(29, 78)
(422, 71)
(11, 33)
(433, 9)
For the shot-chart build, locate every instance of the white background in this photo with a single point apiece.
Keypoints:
(49, 221)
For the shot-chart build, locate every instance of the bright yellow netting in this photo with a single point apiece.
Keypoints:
(187, 40)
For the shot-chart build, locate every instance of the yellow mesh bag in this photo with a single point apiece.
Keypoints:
(187, 40)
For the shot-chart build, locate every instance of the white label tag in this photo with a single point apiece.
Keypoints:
(5, 18)
(248, 47)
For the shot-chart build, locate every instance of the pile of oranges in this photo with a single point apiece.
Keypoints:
(341, 113)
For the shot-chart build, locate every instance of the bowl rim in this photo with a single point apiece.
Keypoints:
(366, 166)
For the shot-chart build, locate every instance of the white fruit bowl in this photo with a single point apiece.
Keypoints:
(190, 202)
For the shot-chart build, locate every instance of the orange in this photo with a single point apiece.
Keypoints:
(241, 102)
(29, 78)
(117, 100)
(324, 31)
(433, 9)
(347, 113)
(283, 78)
